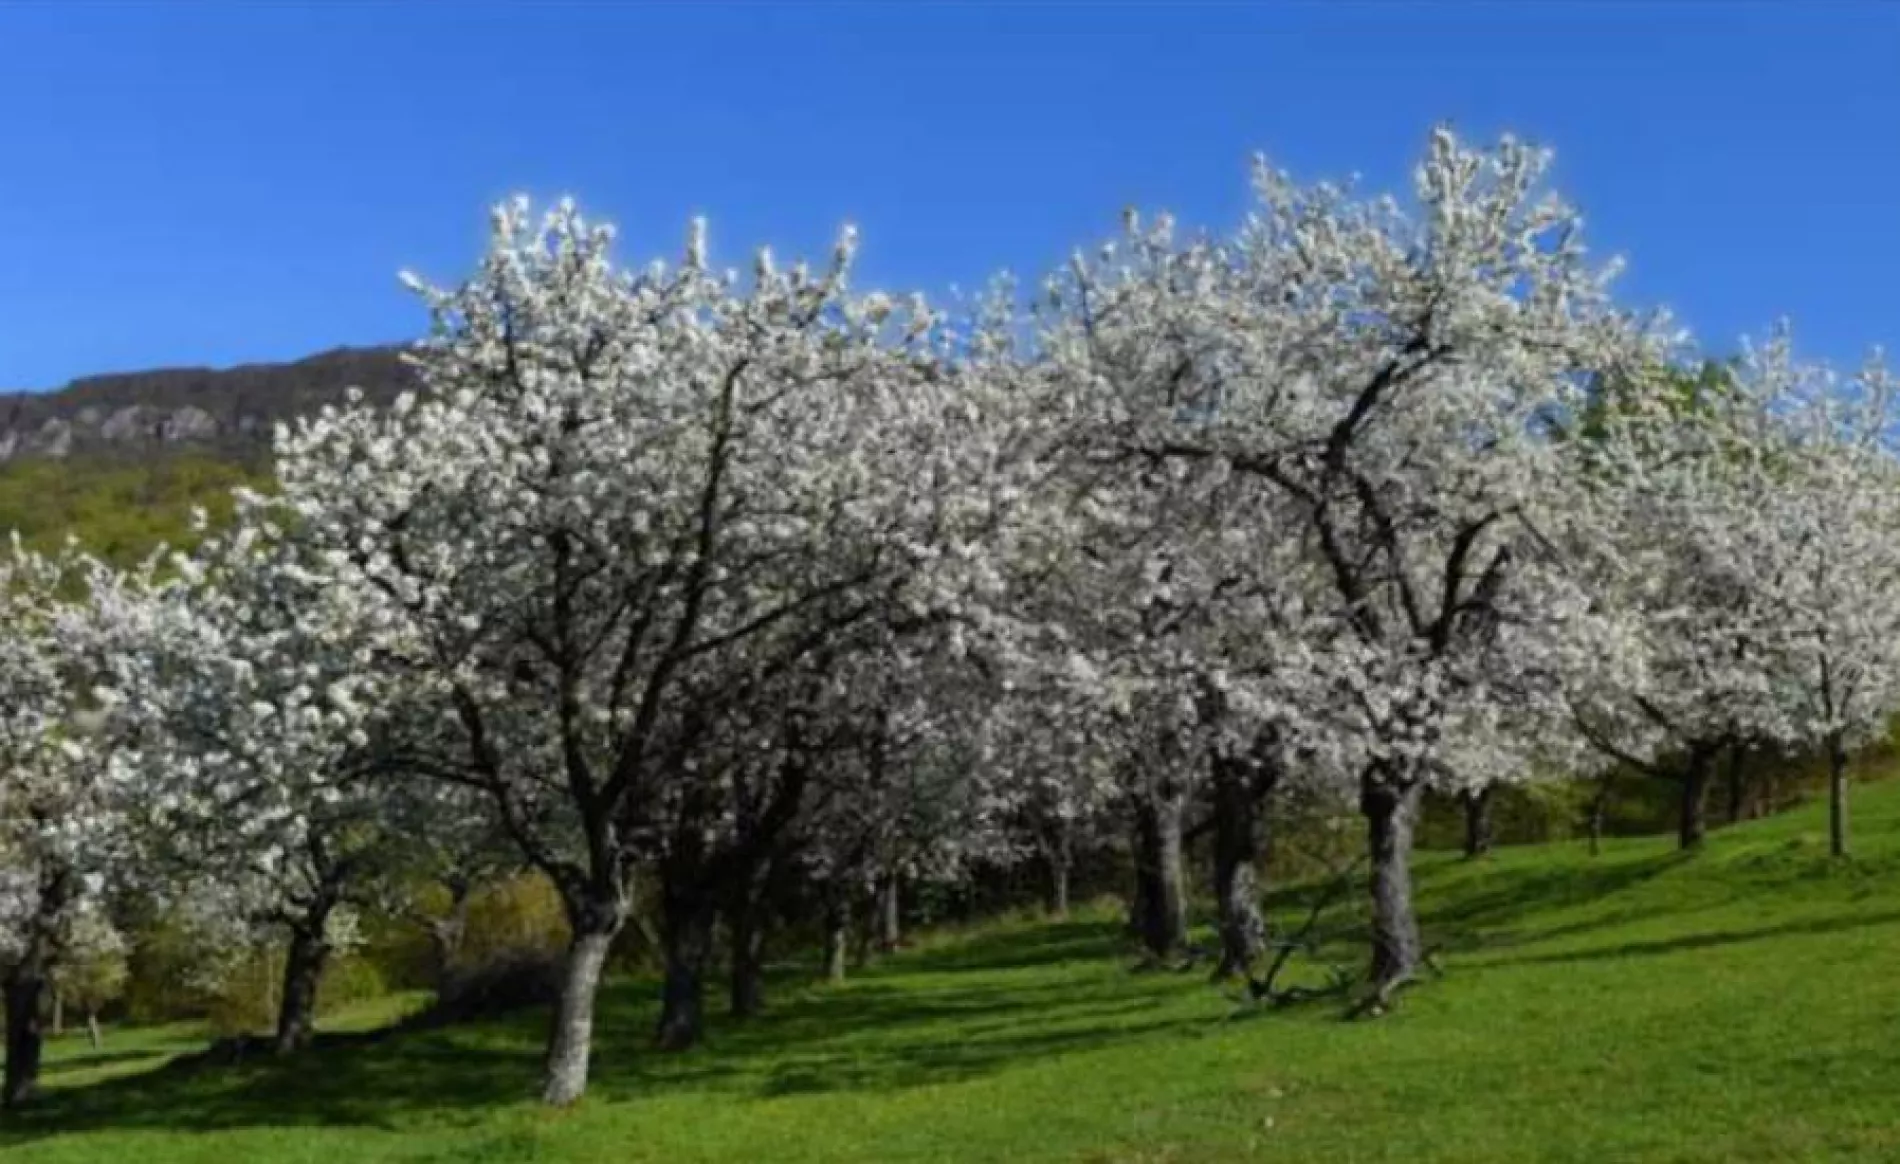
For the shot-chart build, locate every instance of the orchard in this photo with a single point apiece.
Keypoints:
(736, 601)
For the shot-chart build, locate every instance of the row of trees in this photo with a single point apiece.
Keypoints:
(717, 584)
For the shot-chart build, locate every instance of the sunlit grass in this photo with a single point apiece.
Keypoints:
(1735, 1005)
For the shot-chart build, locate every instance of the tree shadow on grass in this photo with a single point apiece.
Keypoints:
(341, 1081)
(1495, 917)
(95, 1060)
(1706, 940)
(895, 1028)
(881, 1035)
(1484, 913)
(949, 1060)
(1520, 894)
(1021, 949)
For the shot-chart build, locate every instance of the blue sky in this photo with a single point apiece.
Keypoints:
(210, 184)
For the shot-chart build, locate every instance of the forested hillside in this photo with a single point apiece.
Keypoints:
(119, 508)
(120, 461)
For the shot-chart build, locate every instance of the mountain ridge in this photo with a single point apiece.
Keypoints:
(224, 411)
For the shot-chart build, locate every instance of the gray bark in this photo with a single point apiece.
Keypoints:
(1238, 824)
(1160, 895)
(1693, 827)
(688, 941)
(1391, 812)
(889, 915)
(1143, 886)
(1479, 833)
(93, 1036)
(861, 946)
(447, 933)
(747, 926)
(1058, 855)
(1599, 813)
(1836, 795)
(303, 973)
(837, 934)
(570, 1043)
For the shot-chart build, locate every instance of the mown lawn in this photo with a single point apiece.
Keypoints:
(1741, 1004)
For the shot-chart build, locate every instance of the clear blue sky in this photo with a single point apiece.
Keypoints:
(209, 184)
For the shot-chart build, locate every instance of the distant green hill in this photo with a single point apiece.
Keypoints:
(121, 460)
(118, 508)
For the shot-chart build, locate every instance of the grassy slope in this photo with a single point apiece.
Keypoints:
(120, 509)
(1738, 1005)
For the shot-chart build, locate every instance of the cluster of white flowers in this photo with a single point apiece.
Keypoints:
(1428, 509)
(683, 571)
(1745, 573)
(65, 776)
(67, 773)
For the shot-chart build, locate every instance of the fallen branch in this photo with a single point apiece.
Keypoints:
(1262, 989)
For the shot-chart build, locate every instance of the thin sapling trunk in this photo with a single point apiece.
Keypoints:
(1737, 782)
(1836, 795)
(837, 933)
(889, 915)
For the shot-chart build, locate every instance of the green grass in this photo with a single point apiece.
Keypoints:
(119, 509)
(1735, 1005)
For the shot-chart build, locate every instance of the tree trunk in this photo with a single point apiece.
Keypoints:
(1057, 854)
(570, 1042)
(1599, 813)
(446, 934)
(1138, 896)
(1737, 782)
(24, 986)
(1478, 827)
(1391, 813)
(26, 982)
(272, 976)
(303, 973)
(1768, 793)
(1238, 822)
(862, 932)
(92, 1029)
(1160, 894)
(889, 915)
(1693, 827)
(1836, 795)
(688, 941)
(747, 925)
(59, 1012)
(837, 933)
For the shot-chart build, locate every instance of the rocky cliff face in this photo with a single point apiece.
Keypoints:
(228, 410)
